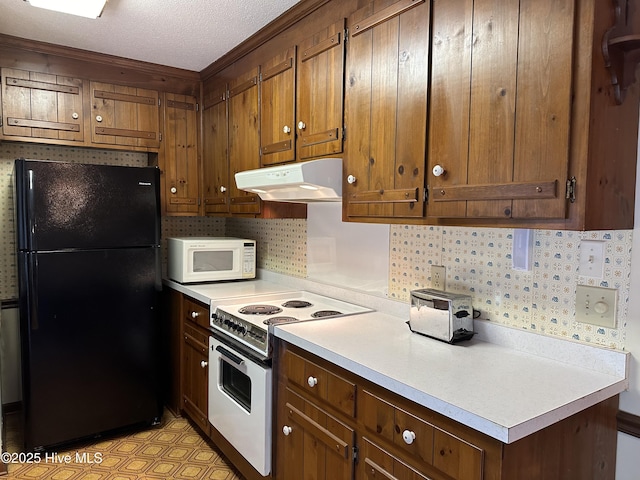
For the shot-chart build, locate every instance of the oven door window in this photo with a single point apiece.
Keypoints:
(236, 384)
(213, 261)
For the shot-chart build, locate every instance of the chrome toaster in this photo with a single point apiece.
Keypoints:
(441, 315)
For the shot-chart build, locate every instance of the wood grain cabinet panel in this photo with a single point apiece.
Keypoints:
(320, 93)
(314, 444)
(41, 106)
(215, 148)
(386, 110)
(180, 155)
(244, 138)
(378, 464)
(194, 364)
(501, 111)
(277, 109)
(124, 115)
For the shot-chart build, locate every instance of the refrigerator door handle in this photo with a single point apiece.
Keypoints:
(31, 214)
(32, 268)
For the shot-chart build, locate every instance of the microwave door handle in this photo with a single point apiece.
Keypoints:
(229, 356)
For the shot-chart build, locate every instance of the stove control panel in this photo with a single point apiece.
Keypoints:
(246, 332)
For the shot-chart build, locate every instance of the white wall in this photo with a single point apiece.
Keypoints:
(628, 464)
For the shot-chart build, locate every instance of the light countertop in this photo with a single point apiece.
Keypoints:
(506, 383)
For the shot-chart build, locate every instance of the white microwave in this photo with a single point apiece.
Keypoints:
(209, 259)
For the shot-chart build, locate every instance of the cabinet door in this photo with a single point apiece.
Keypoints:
(500, 108)
(386, 107)
(277, 109)
(378, 464)
(41, 105)
(314, 444)
(124, 115)
(244, 139)
(195, 373)
(180, 154)
(215, 159)
(320, 93)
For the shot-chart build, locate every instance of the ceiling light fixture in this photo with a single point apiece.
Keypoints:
(83, 8)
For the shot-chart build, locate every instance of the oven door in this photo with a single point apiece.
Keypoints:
(240, 403)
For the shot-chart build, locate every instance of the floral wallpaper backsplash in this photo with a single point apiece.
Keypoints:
(478, 263)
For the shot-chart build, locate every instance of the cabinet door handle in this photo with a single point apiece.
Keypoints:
(312, 381)
(301, 125)
(438, 170)
(286, 129)
(194, 314)
(286, 430)
(223, 189)
(204, 364)
(408, 436)
(174, 190)
(351, 179)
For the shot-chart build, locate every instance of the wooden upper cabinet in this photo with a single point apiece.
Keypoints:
(215, 160)
(180, 154)
(244, 138)
(320, 93)
(123, 115)
(501, 97)
(41, 105)
(386, 110)
(277, 108)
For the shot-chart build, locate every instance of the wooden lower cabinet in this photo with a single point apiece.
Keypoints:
(389, 437)
(194, 364)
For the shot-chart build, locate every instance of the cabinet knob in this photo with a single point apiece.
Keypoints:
(312, 381)
(75, 115)
(438, 170)
(98, 118)
(301, 125)
(204, 364)
(408, 436)
(287, 430)
(174, 190)
(351, 179)
(286, 129)
(194, 314)
(223, 189)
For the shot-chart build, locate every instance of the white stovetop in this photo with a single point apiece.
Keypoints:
(506, 383)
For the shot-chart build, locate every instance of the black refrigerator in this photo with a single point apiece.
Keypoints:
(88, 254)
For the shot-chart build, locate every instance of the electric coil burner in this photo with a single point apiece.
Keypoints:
(251, 321)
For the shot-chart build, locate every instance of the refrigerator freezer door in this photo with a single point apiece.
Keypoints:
(75, 206)
(89, 349)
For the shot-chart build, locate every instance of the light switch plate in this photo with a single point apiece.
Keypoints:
(596, 305)
(438, 277)
(591, 258)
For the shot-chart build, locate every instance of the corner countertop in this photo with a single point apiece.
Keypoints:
(506, 383)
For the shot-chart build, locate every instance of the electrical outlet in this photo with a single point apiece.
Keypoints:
(596, 305)
(438, 277)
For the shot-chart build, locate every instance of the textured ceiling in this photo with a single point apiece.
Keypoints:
(189, 34)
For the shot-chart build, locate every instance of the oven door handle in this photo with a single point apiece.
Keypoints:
(230, 356)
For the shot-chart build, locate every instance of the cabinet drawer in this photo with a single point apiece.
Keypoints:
(457, 458)
(196, 338)
(381, 465)
(321, 384)
(196, 312)
(406, 431)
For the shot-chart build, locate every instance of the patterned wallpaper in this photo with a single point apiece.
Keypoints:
(478, 260)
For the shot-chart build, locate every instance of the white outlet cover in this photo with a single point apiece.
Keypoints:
(591, 258)
(596, 305)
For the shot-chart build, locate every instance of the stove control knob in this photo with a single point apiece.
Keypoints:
(312, 381)
(287, 430)
(408, 436)
(242, 329)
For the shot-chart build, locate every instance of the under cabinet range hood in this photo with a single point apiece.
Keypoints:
(312, 181)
